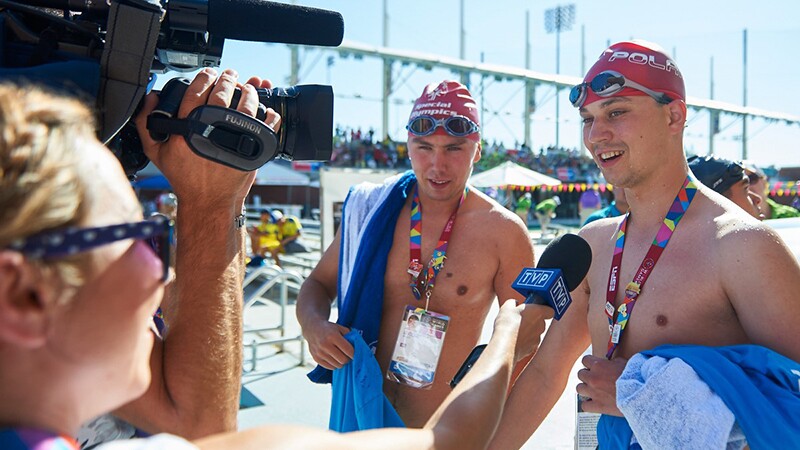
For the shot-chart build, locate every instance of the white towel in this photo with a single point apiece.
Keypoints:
(669, 407)
(361, 207)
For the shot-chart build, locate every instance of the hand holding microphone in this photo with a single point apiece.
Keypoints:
(562, 266)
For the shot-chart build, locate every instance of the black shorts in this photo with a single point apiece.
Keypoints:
(295, 247)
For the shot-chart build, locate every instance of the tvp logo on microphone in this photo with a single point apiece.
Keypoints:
(544, 286)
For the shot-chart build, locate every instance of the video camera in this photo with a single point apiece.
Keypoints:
(109, 51)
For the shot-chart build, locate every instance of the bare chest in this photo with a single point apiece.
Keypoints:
(462, 290)
(464, 280)
(681, 302)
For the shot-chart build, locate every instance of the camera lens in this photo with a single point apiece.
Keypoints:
(306, 111)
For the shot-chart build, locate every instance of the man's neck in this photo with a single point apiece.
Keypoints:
(439, 208)
(650, 201)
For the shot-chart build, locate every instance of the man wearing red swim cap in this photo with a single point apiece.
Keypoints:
(677, 256)
(449, 250)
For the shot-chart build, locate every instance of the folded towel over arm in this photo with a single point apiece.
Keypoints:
(685, 396)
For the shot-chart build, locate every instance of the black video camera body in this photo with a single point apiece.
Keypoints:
(237, 140)
(106, 52)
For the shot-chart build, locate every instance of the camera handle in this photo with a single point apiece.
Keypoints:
(222, 135)
(131, 40)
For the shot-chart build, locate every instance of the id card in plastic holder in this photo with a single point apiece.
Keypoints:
(418, 348)
(585, 427)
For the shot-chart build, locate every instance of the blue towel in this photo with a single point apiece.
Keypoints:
(358, 401)
(759, 386)
(369, 217)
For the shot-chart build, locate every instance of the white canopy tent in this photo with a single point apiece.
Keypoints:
(511, 174)
(274, 174)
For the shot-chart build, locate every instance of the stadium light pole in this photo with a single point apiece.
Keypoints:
(744, 93)
(387, 74)
(556, 20)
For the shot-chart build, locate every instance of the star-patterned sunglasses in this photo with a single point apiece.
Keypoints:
(156, 231)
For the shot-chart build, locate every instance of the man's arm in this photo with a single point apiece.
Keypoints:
(255, 236)
(515, 253)
(465, 420)
(196, 369)
(762, 280)
(598, 385)
(297, 231)
(326, 341)
(543, 381)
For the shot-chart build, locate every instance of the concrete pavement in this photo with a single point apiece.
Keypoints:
(278, 391)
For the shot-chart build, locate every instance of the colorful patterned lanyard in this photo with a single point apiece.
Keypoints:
(425, 284)
(617, 325)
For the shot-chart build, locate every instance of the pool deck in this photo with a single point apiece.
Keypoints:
(276, 389)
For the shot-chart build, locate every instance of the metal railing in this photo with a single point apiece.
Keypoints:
(274, 276)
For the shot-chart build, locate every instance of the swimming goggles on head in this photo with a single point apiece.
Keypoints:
(457, 126)
(608, 83)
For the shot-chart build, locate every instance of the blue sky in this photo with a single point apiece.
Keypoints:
(695, 31)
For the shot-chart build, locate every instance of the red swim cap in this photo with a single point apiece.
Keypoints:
(645, 63)
(445, 99)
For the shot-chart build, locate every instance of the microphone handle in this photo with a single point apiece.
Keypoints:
(532, 298)
(472, 358)
(535, 299)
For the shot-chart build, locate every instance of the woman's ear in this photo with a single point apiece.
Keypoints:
(23, 312)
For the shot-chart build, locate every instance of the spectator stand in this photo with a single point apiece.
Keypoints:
(304, 262)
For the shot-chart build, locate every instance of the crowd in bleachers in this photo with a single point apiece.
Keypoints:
(355, 148)
(566, 164)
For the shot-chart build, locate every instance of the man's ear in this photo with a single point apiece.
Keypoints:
(677, 115)
(23, 315)
(477, 153)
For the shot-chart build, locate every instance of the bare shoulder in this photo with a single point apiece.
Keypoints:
(297, 436)
(756, 243)
(736, 238)
(757, 273)
(496, 221)
(732, 229)
(601, 230)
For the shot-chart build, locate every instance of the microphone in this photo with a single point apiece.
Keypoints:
(243, 20)
(562, 266)
(264, 21)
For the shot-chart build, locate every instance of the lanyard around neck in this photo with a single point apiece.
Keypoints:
(616, 325)
(425, 283)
